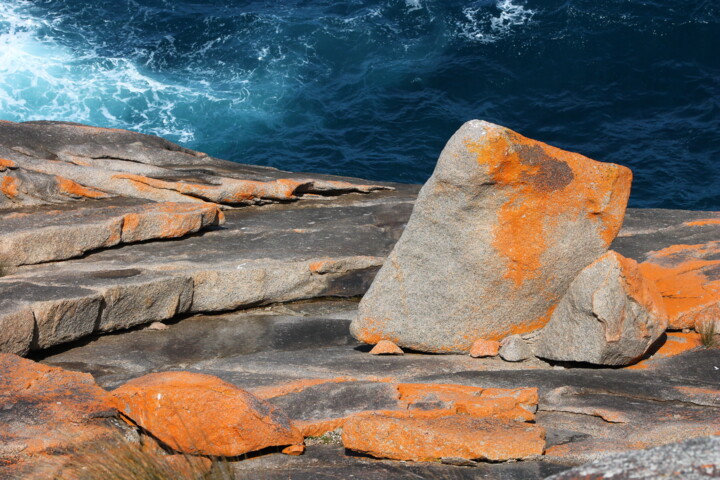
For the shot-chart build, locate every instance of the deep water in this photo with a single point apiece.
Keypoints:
(375, 88)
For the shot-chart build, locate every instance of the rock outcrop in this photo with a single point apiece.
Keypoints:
(201, 414)
(47, 414)
(72, 194)
(610, 315)
(496, 236)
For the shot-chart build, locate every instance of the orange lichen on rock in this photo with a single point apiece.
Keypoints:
(294, 450)
(675, 343)
(74, 189)
(549, 185)
(201, 414)
(51, 408)
(9, 187)
(687, 282)
(431, 439)
(484, 348)
(169, 220)
(296, 386)
(513, 404)
(386, 347)
(5, 164)
(704, 222)
(710, 396)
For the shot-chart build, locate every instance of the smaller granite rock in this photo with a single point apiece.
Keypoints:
(386, 347)
(610, 315)
(201, 414)
(484, 348)
(432, 439)
(515, 348)
(694, 459)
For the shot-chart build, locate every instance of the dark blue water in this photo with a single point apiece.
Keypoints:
(375, 88)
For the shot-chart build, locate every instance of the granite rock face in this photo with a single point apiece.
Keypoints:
(496, 236)
(694, 459)
(73, 198)
(610, 315)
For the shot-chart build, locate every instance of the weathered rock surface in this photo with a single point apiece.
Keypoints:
(200, 414)
(688, 277)
(484, 348)
(52, 162)
(610, 315)
(432, 439)
(46, 414)
(695, 459)
(501, 229)
(43, 234)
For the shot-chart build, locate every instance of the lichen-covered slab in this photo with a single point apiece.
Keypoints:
(497, 234)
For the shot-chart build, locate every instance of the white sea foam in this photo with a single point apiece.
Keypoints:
(41, 78)
(481, 25)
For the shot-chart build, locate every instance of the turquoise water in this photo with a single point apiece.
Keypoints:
(375, 88)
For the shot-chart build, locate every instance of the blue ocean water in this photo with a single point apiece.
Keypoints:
(374, 88)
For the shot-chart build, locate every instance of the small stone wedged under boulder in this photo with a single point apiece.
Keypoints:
(201, 414)
(610, 315)
(499, 231)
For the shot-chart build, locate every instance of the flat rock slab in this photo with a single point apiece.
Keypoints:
(33, 235)
(259, 256)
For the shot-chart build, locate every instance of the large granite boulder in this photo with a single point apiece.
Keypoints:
(499, 231)
(610, 315)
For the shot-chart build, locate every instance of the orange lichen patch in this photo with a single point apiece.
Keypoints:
(201, 414)
(9, 187)
(294, 450)
(297, 386)
(548, 188)
(681, 274)
(5, 164)
(169, 220)
(675, 343)
(386, 347)
(514, 404)
(484, 348)
(319, 267)
(703, 222)
(56, 408)
(429, 393)
(431, 439)
(74, 189)
(317, 428)
(704, 395)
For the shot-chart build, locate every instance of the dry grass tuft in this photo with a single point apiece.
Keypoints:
(708, 333)
(118, 459)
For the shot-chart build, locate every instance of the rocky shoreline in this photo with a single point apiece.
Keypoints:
(248, 278)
